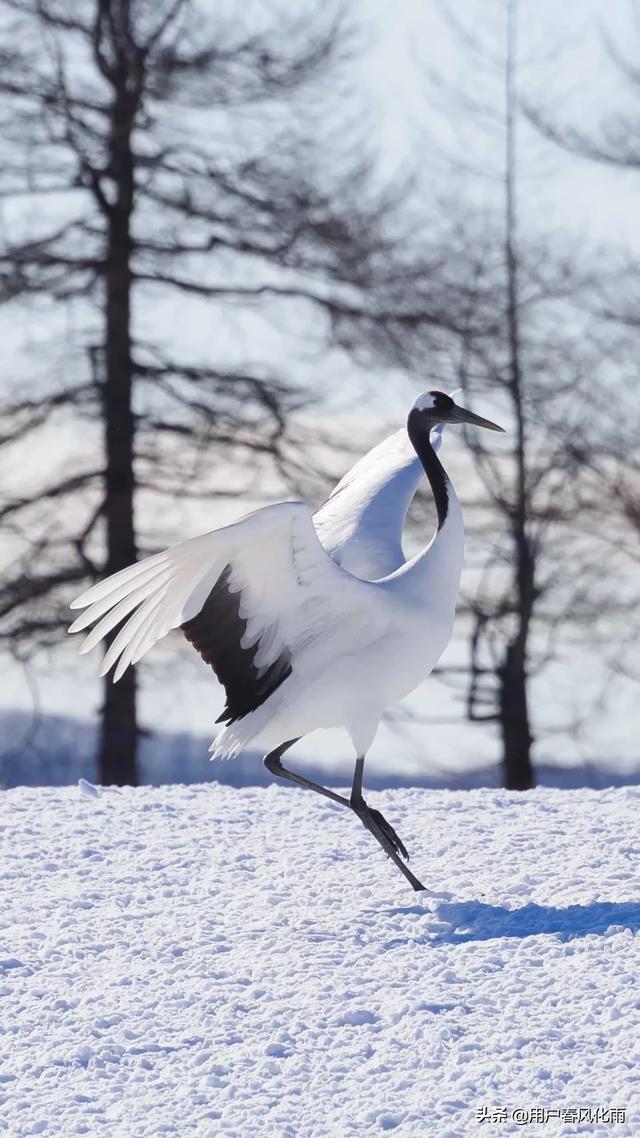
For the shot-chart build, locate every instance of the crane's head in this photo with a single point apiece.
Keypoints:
(434, 407)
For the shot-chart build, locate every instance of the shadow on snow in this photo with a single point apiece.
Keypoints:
(475, 921)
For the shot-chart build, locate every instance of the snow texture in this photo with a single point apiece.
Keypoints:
(211, 962)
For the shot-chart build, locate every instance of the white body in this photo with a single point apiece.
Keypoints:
(362, 627)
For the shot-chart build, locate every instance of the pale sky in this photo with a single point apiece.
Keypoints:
(562, 66)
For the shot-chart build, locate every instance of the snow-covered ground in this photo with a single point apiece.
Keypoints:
(208, 962)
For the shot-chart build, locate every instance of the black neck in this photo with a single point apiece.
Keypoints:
(433, 468)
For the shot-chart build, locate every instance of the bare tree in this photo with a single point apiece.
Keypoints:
(501, 313)
(609, 438)
(151, 153)
(611, 141)
(483, 348)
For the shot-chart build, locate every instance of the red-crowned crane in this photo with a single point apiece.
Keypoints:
(308, 622)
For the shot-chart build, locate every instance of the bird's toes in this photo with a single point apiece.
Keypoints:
(389, 833)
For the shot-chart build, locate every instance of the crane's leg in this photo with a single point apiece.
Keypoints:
(274, 766)
(372, 820)
(358, 805)
(376, 823)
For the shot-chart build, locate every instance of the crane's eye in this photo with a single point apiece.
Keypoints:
(441, 402)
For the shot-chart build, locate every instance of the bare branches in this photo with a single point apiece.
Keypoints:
(122, 192)
(22, 417)
(611, 141)
(239, 66)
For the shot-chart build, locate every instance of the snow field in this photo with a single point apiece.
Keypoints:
(205, 962)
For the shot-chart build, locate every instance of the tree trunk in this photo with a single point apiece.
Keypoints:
(119, 741)
(513, 705)
(514, 721)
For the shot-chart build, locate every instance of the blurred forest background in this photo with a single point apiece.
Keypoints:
(236, 240)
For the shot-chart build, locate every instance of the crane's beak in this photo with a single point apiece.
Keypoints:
(461, 415)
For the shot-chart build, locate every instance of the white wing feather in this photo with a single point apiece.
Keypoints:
(291, 591)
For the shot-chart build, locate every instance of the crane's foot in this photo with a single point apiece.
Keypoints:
(388, 832)
(376, 823)
(385, 835)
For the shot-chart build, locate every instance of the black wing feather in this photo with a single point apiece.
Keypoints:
(216, 633)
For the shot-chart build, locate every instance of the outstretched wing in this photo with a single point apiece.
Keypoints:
(250, 597)
(360, 525)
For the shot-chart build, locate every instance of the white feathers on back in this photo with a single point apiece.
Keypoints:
(361, 523)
